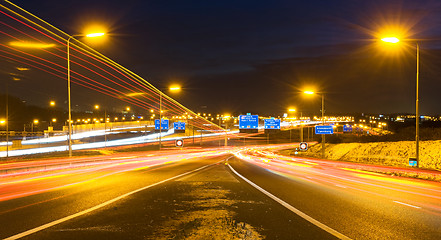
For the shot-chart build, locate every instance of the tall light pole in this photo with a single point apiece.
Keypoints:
(323, 118)
(290, 124)
(97, 107)
(394, 40)
(68, 86)
(7, 121)
(160, 119)
(173, 88)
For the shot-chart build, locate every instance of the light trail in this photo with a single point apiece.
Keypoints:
(13, 186)
(343, 175)
(90, 69)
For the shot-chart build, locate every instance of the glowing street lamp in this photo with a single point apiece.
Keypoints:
(390, 39)
(395, 40)
(97, 106)
(52, 103)
(68, 84)
(175, 88)
(100, 34)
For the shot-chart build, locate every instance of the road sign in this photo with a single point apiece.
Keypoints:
(272, 123)
(179, 127)
(248, 121)
(347, 128)
(413, 162)
(179, 143)
(303, 146)
(324, 129)
(164, 124)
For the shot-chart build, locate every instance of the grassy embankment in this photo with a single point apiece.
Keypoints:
(383, 153)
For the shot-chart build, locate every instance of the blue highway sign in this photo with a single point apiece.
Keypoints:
(323, 129)
(164, 124)
(179, 125)
(272, 123)
(347, 128)
(248, 122)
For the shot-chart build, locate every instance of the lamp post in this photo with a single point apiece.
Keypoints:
(160, 119)
(323, 118)
(290, 124)
(394, 40)
(7, 121)
(68, 86)
(173, 88)
(97, 107)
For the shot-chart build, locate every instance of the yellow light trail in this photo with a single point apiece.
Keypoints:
(32, 45)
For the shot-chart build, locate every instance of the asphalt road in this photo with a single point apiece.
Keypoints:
(133, 197)
(211, 203)
(358, 204)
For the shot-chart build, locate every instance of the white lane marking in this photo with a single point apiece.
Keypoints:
(406, 204)
(293, 209)
(340, 186)
(47, 225)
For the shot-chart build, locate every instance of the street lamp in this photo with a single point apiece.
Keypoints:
(35, 122)
(97, 107)
(68, 84)
(323, 117)
(394, 40)
(173, 88)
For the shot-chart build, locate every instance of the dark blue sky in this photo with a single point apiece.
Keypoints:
(255, 56)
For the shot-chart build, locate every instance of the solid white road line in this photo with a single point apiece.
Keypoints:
(406, 204)
(293, 209)
(47, 225)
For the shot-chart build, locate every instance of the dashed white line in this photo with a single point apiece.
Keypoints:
(292, 209)
(409, 205)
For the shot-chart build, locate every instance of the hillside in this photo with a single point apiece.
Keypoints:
(384, 153)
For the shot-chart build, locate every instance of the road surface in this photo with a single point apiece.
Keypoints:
(224, 194)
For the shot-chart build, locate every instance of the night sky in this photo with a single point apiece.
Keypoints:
(257, 56)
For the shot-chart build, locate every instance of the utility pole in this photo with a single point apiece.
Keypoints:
(301, 128)
(160, 118)
(7, 121)
(105, 128)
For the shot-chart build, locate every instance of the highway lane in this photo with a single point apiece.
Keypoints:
(67, 193)
(352, 202)
(208, 204)
(67, 171)
(358, 204)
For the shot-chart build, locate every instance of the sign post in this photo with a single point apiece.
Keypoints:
(323, 130)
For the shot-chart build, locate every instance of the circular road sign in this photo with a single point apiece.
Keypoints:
(303, 146)
(179, 143)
